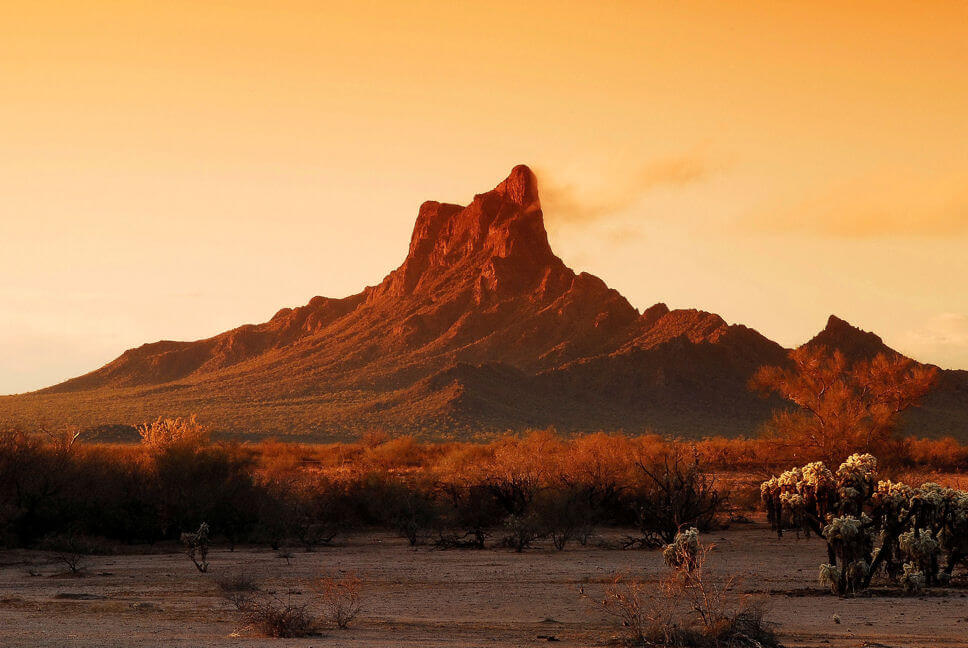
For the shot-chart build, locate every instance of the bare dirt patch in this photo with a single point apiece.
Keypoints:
(419, 597)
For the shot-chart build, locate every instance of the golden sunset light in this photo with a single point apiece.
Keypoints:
(172, 170)
(377, 324)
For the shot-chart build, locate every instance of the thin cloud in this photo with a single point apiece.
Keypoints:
(890, 204)
(944, 337)
(564, 204)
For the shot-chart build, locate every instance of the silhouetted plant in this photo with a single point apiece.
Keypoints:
(196, 547)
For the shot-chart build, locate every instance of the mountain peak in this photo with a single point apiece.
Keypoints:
(855, 343)
(521, 187)
(497, 241)
(835, 323)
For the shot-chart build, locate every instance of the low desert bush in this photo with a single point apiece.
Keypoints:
(342, 598)
(675, 491)
(164, 434)
(688, 608)
(72, 551)
(522, 531)
(272, 616)
(239, 582)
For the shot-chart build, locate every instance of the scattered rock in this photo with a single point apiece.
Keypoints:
(144, 605)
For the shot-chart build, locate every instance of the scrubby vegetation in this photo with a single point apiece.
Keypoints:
(342, 598)
(335, 601)
(274, 616)
(914, 536)
(538, 489)
(178, 485)
(689, 608)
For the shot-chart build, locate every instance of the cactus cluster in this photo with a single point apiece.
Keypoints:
(915, 536)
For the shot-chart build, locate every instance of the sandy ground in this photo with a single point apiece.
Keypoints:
(424, 598)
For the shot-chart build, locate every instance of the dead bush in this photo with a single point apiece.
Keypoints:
(272, 616)
(690, 608)
(237, 583)
(342, 598)
(69, 551)
(73, 551)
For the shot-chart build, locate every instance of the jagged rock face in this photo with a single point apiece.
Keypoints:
(481, 328)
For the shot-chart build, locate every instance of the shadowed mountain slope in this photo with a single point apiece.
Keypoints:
(481, 329)
(944, 411)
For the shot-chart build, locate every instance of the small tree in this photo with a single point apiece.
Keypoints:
(522, 531)
(842, 408)
(72, 551)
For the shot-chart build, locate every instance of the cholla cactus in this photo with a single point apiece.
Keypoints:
(856, 481)
(919, 546)
(829, 576)
(684, 551)
(912, 579)
(196, 546)
(849, 540)
(913, 528)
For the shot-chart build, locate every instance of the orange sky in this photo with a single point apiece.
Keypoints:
(173, 169)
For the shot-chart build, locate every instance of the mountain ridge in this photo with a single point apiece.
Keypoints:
(482, 328)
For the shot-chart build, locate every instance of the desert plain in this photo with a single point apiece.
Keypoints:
(420, 597)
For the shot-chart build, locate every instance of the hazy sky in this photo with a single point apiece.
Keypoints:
(174, 169)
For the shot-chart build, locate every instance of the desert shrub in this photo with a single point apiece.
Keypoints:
(642, 619)
(73, 551)
(675, 491)
(512, 475)
(468, 510)
(196, 547)
(521, 531)
(271, 616)
(853, 511)
(165, 434)
(690, 606)
(34, 478)
(342, 598)
(408, 507)
(394, 454)
(239, 582)
(194, 483)
(938, 454)
(564, 515)
(308, 508)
